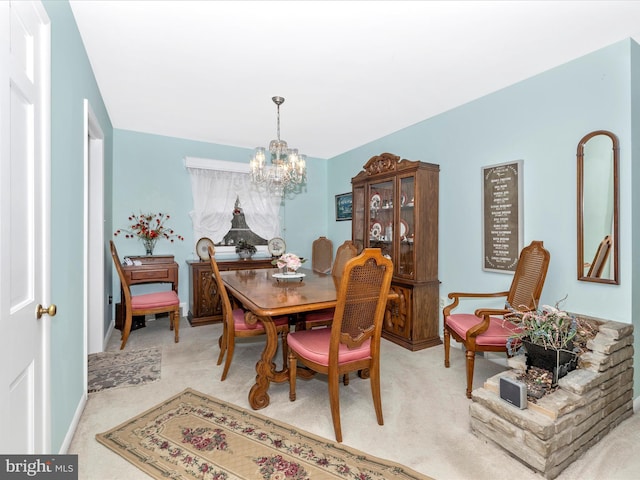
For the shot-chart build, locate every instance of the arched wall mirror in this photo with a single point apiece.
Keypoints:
(598, 208)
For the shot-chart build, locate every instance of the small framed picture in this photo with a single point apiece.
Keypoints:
(343, 206)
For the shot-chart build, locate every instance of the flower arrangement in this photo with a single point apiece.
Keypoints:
(290, 261)
(149, 228)
(549, 327)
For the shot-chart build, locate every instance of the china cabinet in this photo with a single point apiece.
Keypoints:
(395, 208)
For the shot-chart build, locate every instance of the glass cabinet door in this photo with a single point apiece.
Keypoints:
(360, 212)
(381, 231)
(406, 225)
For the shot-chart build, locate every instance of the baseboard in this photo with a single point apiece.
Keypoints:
(64, 448)
(107, 337)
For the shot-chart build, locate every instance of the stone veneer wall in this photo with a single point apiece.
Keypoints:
(551, 434)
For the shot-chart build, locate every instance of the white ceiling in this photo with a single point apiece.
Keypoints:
(350, 71)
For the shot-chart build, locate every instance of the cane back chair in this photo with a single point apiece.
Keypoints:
(487, 330)
(353, 341)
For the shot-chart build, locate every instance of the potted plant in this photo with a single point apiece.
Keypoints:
(546, 334)
(245, 250)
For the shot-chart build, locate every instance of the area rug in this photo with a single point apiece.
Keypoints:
(123, 368)
(195, 436)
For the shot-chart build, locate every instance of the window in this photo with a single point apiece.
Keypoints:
(216, 186)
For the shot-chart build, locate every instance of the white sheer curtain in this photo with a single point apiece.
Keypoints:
(215, 190)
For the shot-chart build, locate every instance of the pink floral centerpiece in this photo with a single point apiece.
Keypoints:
(290, 262)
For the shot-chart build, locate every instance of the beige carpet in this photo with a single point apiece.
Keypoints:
(123, 368)
(193, 435)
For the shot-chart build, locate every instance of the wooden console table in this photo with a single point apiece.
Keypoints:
(154, 269)
(204, 302)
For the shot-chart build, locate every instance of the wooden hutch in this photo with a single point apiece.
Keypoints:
(395, 208)
(204, 302)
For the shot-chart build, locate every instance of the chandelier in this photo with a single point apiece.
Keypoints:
(287, 170)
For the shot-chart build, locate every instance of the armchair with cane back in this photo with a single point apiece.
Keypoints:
(487, 330)
(234, 324)
(353, 341)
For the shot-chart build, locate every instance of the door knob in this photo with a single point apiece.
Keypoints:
(51, 310)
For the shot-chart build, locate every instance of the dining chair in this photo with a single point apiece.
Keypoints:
(353, 341)
(321, 255)
(234, 325)
(488, 329)
(146, 304)
(324, 317)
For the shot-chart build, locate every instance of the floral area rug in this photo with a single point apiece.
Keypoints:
(123, 368)
(195, 436)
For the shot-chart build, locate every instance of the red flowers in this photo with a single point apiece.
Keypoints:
(149, 226)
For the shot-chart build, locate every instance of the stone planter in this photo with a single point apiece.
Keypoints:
(559, 428)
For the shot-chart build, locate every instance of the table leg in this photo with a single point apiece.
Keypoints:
(266, 368)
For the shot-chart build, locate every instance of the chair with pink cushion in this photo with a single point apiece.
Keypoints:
(146, 304)
(234, 324)
(321, 318)
(487, 330)
(353, 341)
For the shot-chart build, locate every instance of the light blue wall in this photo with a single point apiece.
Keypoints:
(633, 262)
(541, 121)
(149, 176)
(72, 81)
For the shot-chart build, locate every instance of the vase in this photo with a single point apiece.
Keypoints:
(149, 245)
(558, 361)
(245, 254)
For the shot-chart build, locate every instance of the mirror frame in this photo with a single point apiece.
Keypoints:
(580, 213)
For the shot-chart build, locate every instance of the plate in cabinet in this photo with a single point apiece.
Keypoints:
(404, 229)
(376, 201)
(376, 230)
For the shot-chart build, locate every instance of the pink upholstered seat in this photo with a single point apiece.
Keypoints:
(314, 346)
(240, 324)
(319, 317)
(496, 335)
(155, 300)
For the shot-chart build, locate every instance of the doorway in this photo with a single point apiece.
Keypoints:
(95, 251)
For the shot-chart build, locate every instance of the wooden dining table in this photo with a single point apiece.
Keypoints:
(265, 297)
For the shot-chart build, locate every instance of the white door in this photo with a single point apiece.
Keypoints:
(24, 227)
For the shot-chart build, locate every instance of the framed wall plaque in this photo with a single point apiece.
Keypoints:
(502, 216)
(343, 206)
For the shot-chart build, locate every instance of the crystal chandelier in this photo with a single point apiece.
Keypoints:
(288, 169)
